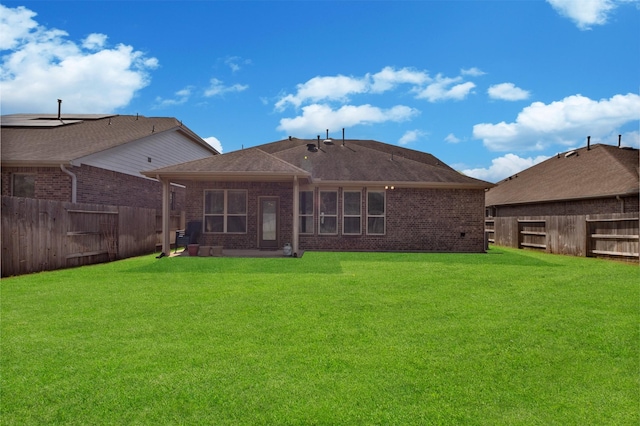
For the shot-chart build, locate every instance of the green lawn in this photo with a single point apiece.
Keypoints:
(509, 337)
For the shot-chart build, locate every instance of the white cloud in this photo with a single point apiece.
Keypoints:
(507, 92)
(573, 118)
(586, 13)
(339, 88)
(87, 76)
(15, 25)
(451, 138)
(94, 41)
(217, 87)
(235, 63)
(324, 88)
(214, 142)
(388, 78)
(181, 97)
(445, 88)
(411, 136)
(473, 72)
(503, 167)
(318, 116)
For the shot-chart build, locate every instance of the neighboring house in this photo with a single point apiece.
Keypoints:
(331, 195)
(93, 158)
(596, 179)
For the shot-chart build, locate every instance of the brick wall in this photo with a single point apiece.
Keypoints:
(579, 207)
(441, 220)
(95, 186)
(51, 183)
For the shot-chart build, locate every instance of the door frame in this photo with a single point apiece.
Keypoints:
(261, 243)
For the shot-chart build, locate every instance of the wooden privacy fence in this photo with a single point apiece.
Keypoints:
(40, 235)
(613, 235)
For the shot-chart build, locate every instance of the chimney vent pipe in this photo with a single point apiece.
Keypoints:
(343, 136)
(588, 143)
(619, 141)
(59, 108)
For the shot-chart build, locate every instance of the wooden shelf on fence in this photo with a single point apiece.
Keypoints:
(544, 234)
(614, 253)
(613, 220)
(75, 233)
(531, 221)
(614, 237)
(544, 246)
(91, 212)
(86, 253)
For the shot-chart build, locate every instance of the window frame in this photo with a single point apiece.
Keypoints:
(345, 216)
(225, 211)
(13, 184)
(373, 216)
(322, 215)
(308, 216)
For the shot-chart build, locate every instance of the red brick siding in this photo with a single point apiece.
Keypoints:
(416, 220)
(94, 186)
(51, 183)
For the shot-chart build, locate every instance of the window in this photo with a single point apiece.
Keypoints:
(306, 212)
(24, 185)
(328, 212)
(225, 211)
(375, 213)
(351, 212)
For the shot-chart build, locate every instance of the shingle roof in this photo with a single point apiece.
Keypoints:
(36, 139)
(355, 161)
(601, 171)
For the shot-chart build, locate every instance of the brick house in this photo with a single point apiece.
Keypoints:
(596, 179)
(93, 158)
(340, 195)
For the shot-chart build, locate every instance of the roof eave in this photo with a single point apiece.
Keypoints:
(35, 163)
(555, 200)
(408, 184)
(226, 176)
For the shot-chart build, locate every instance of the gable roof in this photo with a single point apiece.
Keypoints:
(32, 139)
(596, 172)
(355, 161)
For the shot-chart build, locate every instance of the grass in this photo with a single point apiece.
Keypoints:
(509, 337)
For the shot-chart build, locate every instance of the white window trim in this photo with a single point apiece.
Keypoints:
(384, 215)
(225, 214)
(322, 215)
(313, 211)
(344, 215)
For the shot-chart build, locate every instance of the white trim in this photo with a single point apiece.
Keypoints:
(384, 215)
(345, 216)
(225, 215)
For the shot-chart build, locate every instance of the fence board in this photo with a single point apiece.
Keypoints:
(39, 235)
(576, 235)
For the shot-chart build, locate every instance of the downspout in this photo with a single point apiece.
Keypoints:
(74, 183)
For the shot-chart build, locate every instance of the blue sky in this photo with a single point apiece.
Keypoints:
(489, 87)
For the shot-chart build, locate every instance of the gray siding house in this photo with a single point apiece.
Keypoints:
(94, 158)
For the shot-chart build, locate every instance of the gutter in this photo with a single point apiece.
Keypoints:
(74, 183)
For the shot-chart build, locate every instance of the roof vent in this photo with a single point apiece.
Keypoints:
(327, 140)
(569, 154)
(311, 147)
